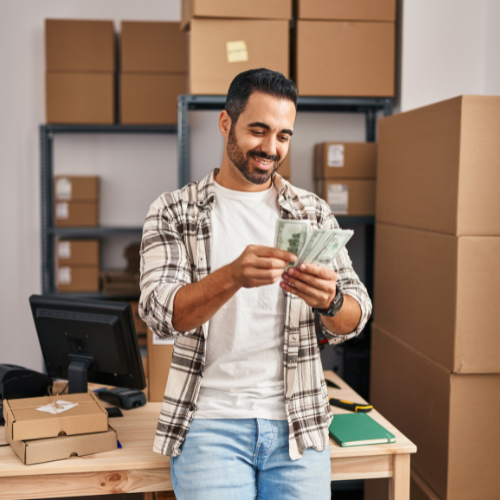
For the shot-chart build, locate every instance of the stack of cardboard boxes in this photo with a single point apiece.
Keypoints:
(435, 339)
(228, 37)
(345, 47)
(80, 76)
(153, 72)
(345, 175)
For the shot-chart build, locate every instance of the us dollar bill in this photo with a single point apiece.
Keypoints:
(291, 235)
(330, 246)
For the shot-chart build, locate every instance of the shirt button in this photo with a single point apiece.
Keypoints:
(294, 337)
(192, 407)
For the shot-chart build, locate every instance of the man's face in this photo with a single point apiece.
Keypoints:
(258, 143)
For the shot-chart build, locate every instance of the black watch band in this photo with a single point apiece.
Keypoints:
(335, 306)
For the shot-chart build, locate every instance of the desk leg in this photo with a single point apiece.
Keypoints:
(399, 484)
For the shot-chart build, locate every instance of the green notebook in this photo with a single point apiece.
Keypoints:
(358, 429)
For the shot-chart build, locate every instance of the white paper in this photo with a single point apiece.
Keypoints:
(63, 189)
(336, 155)
(236, 51)
(59, 406)
(62, 210)
(162, 341)
(64, 249)
(64, 275)
(338, 198)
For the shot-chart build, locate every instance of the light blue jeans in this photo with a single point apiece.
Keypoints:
(246, 460)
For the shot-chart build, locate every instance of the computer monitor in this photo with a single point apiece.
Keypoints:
(85, 340)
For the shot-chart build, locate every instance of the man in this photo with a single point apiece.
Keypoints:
(245, 413)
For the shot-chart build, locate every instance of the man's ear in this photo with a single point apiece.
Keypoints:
(224, 124)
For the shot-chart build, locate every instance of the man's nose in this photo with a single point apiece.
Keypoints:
(269, 145)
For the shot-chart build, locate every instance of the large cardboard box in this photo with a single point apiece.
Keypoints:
(439, 294)
(220, 49)
(439, 167)
(76, 188)
(76, 214)
(79, 46)
(77, 278)
(37, 451)
(153, 47)
(285, 167)
(347, 10)
(257, 9)
(347, 196)
(452, 418)
(77, 253)
(150, 98)
(140, 325)
(159, 361)
(80, 98)
(345, 160)
(51, 416)
(337, 58)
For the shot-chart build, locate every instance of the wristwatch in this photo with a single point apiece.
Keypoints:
(335, 306)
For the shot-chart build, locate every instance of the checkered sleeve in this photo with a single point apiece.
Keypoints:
(165, 268)
(347, 279)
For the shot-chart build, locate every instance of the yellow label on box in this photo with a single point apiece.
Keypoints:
(237, 51)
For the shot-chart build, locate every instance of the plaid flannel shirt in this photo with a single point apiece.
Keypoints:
(175, 251)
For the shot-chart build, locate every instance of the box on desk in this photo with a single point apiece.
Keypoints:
(348, 196)
(345, 160)
(159, 360)
(51, 416)
(37, 451)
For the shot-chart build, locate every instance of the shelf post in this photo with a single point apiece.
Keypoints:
(183, 142)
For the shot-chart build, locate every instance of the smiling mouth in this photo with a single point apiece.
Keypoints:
(264, 164)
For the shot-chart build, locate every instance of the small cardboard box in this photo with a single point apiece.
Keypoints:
(77, 253)
(23, 421)
(159, 361)
(439, 294)
(257, 9)
(37, 451)
(348, 10)
(220, 49)
(87, 98)
(452, 418)
(76, 214)
(76, 188)
(153, 47)
(77, 278)
(140, 325)
(79, 46)
(439, 167)
(345, 58)
(348, 197)
(150, 98)
(345, 160)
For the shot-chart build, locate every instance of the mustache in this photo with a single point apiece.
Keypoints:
(263, 155)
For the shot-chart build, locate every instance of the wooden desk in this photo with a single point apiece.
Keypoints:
(136, 468)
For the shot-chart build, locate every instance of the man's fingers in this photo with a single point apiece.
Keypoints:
(276, 253)
(327, 285)
(319, 271)
(316, 293)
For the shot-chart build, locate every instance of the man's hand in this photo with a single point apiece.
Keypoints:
(260, 265)
(316, 285)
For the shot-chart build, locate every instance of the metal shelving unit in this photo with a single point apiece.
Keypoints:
(48, 230)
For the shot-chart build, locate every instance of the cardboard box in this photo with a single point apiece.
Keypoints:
(337, 58)
(37, 451)
(76, 188)
(221, 49)
(452, 418)
(347, 10)
(140, 325)
(79, 46)
(348, 197)
(345, 160)
(80, 98)
(439, 294)
(76, 214)
(23, 421)
(439, 167)
(150, 98)
(159, 361)
(77, 253)
(120, 283)
(77, 278)
(257, 9)
(153, 47)
(285, 168)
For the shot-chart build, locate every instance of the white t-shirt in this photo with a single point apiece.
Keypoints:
(243, 376)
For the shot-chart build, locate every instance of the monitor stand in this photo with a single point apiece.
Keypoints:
(77, 373)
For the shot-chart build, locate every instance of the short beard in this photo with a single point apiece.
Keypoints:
(242, 161)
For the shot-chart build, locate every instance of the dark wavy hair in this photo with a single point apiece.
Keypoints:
(259, 80)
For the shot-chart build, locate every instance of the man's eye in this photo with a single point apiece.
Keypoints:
(258, 132)
(283, 138)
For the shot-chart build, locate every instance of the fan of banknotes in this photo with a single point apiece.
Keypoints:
(310, 245)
